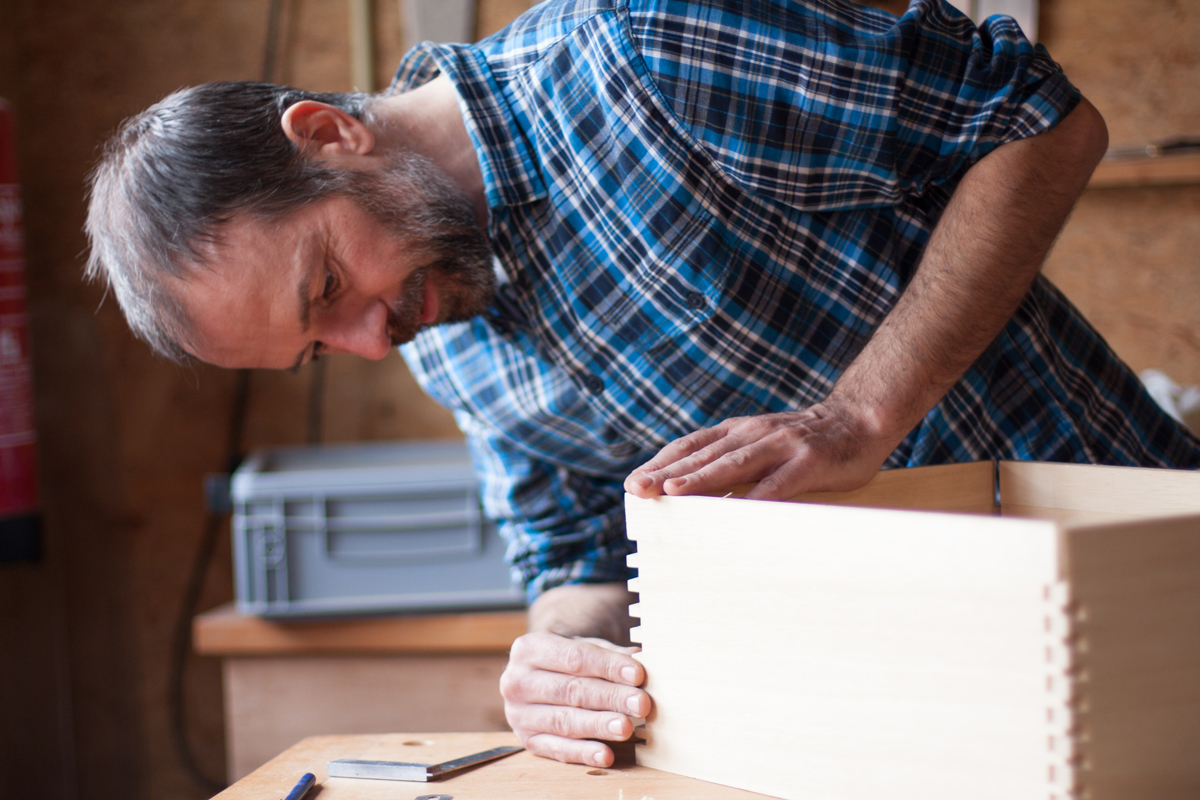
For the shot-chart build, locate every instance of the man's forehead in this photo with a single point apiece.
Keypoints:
(242, 298)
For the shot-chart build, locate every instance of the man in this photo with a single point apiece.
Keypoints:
(784, 242)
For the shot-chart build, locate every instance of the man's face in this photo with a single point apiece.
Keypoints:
(334, 277)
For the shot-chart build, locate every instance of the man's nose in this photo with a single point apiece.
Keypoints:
(363, 334)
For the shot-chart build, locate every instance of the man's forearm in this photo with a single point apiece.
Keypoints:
(979, 264)
(599, 610)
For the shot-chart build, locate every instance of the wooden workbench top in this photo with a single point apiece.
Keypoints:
(225, 632)
(517, 776)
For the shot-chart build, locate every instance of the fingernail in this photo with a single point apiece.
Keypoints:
(629, 674)
(642, 481)
(677, 482)
(616, 727)
(634, 704)
(598, 759)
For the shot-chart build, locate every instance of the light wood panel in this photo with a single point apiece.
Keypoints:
(1136, 635)
(226, 632)
(517, 777)
(857, 653)
(1046, 652)
(1111, 490)
(950, 487)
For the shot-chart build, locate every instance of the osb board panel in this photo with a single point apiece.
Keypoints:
(1137, 62)
(1130, 260)
(521, 776)
(271, 703)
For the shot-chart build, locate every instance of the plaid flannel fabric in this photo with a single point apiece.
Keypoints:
(703, 210)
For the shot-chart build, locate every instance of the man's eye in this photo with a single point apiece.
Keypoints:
(330, 288)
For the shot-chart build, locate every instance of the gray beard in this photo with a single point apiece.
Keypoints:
(415, 201)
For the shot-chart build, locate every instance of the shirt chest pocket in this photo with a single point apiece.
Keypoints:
(664, 281)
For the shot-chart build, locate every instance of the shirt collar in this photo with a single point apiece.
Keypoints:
(511, 172)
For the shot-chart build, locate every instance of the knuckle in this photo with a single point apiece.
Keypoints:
(737, 458)
(574, 658)
(559, 721)
(510, 685)
(575, 693)
(519, 651)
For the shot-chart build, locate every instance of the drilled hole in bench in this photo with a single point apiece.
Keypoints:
(418, 742)
(596, 772)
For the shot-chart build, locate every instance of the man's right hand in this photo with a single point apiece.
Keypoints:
(560, 693)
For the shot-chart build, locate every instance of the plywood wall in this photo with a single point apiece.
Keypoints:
(1130, 257)
(125, 438)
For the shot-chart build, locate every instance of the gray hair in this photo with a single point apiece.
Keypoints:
(172, 175)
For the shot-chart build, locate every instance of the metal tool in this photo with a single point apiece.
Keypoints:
(404, 771)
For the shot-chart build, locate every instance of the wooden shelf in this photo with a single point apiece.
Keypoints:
(225, 632)
(1147, 171)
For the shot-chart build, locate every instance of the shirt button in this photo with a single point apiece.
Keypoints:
(696, 300)
(593, 383)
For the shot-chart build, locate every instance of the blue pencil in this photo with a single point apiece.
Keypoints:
(301, 788)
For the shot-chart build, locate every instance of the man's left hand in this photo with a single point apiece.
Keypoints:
(822, 448)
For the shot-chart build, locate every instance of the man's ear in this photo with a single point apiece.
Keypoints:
(323, 131)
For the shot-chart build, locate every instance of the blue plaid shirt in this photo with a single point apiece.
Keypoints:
(703, 210)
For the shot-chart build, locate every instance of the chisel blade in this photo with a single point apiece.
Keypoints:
(404, 771)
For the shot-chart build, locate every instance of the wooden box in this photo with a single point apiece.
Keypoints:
(973, 631)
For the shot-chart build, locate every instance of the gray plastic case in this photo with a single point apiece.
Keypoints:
(364, 528)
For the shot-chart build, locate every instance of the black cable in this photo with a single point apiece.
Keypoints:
(181, 639)
(316, 399)
(271, 50)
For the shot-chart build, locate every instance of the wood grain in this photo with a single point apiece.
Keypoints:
(856, 652)
(225, 632)
(951, 487)
(1136, 641)
(1158, 171)
(1110, 490)
(1050, 651)
(272, 703)
(517, 777)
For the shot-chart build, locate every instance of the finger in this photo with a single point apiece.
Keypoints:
(795, 477)
(570, 751)
(646, 480)
(571, 723)
(607, 645)
(580, 657)
(553, 688)
(742, 464)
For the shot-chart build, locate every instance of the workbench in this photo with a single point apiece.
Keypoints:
(285, 681)
(517, 776)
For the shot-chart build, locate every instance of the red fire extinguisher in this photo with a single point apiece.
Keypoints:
(20, 521)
